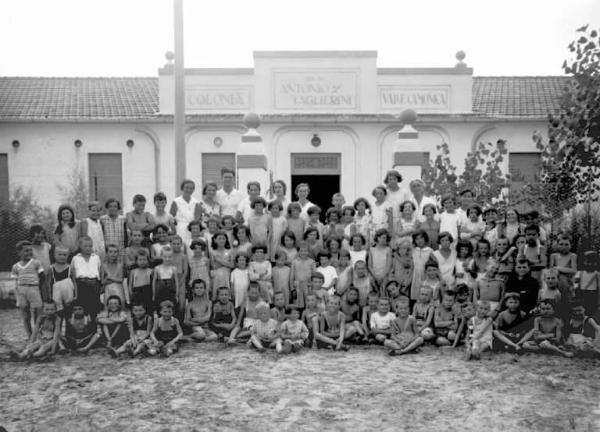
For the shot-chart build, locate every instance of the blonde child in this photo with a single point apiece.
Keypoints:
(198, 313)
(479, 332)
(379, 259)
(265, 331)
(260, 270)
(28, 272)
(281, 276)
(277, 227)
(221, 261)
(423, 313)
(404, 336)
(165, 283)
(114, 275)
(166, 332)
(381, 321)
(140, 281)
(240, 280)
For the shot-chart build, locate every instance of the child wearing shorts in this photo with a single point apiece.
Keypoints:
(27, 272)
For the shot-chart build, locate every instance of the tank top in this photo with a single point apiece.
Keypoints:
(140, 326)
(58, 276)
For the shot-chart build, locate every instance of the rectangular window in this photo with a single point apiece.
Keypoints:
(316, 163)
(212, 163)
(106, 176)
(523, 168)
(4, 193)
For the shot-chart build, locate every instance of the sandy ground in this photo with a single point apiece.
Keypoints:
(212, 387)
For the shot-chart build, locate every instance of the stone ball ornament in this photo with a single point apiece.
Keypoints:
(408, 117)
(252, 120)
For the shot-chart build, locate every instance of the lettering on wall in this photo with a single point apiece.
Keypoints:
(316, 90)
(211, 98)
(434, 98)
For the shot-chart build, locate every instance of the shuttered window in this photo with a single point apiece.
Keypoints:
(4, 194)
(523, 168)
(212, 163)
(106, 176)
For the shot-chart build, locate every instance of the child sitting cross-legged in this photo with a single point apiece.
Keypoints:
(293, 332)
(248, 313)
(479, 333)
(381, 321)
(141, 326)
(547, 331)
(330, 326)
(423, 313)
(351, 309)
(512, 325)
(582, 332)
(45, 335)
(405, 335)
(115, 324)
(223, 318)
(265, 331)
(198, 313)
(166, 332)
(81, 333)
(444, 322)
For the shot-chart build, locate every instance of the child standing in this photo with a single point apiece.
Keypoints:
(403, 266)
(114, 226)
(278, 226)
(221, 261)
(281, 277)
(28, 273)
(135, 245)
(166, 332)
(588, 283)
(446, 258)
(314, 212)
(260, 270)
(362, 218)
(479, 333)
(67, 230)
(240, 280)
(302, 268)
(358, 251)
(160, 215)
(259, 222)
(180, 261)
(40, 247)
(490, 288)
(288, 245)
(313, 241)
(293, 332)
(295, 223)
(404, 336)
(534, 251)
(140, 281)
(381, 211)
(344, 274)
(199, 263)
(566, 263)
(92, 228)
(328, 271)
(449, 219)
(140, 220)
(62, 289)
(113, 275)
(420, 255)
(86, 269)
(241, 235)
(198, 313)
(380, 260)
(160, 235)
(165, 283)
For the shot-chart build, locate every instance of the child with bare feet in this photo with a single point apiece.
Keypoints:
(405, 335)
(330, 326)
(81, 333)
(166, 332)
(45, 335)
(293, 332)
(198, 313)
(547, 331)
(265, 331)
(381, 321)
(444, 322)
(479, 333)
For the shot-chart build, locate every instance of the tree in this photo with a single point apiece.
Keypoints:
(439, 175)
(75, 192)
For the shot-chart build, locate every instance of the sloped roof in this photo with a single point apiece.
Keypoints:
(33, 98)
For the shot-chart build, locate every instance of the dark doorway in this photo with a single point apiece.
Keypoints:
(322, 188)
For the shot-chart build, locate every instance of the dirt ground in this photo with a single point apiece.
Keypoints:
(212, 387)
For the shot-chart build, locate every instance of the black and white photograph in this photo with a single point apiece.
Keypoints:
(300, 215)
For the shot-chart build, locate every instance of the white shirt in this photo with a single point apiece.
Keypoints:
(86, 268)
(398, 197)
(382, 322)
(424, 201)
(304, 211)
(329, 274)
(449, 222)
(229, 202)
(245, 209)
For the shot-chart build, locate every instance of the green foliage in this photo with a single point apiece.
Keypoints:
(16, 217)
(439, 175)
(75, 192)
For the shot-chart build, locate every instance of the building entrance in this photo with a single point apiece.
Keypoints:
(321, 171)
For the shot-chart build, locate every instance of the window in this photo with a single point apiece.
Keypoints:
(106, 177)
(212, 164)
(4, 194)
(523, 168)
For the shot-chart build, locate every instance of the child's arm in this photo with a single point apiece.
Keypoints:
(461, 327)
(106, 334)
(269, 273)
(342, 329)
(154, 328)
(34, 330)
(179, 334)
(188, 320)
(176, 281)
(74, 278)
(364, 319)
(205, 318)
(153, 286)
(252, 273)
(429, 318)
(477, 334)
(438, 319)
(231, 325)
(476, 293)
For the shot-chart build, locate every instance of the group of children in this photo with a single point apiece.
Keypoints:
(371, 273)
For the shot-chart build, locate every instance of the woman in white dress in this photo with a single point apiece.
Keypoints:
(185, 208)
(279, 190)
(210, 206)
(302, 191)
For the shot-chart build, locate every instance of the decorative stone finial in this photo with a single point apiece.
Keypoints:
(170, 56)
(408, 117)
(252, 120)
(460, 56)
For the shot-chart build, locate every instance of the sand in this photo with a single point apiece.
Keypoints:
(212, 387)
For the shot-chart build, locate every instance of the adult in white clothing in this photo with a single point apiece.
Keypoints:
(396, 194)
(210, 206)
(185, 208)
(417, 189)
(278, 191)
(228, 197)
(302, 191)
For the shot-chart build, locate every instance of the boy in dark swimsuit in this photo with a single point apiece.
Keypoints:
(512, 325)
(166, 332)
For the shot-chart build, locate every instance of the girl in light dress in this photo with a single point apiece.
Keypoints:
(278, 225)
(221, 262)
(406, 224)
(421, 254)
(362, 218)
(381, 211)
(185, 208)
(446, 258)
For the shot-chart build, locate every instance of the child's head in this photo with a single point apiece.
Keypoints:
(293, 314)
(195, 227)
(166, 309)
(358, 241)
(160, 233)
(344, 258)
(483, 308)
(502, 244)
(223, 295)
(352, 295)
(402, 309)
(25, 250)
(288, 239)
(467, 310)
(212, 224)
(199, 288)
(473, 212)
(333, 304)
(220, 240)
(360, 268)
(66, 214)
(313, 213)
(520, 241)
(466, 197)
(462, 292)
(429, 211)
(61, 254)
(198, 247)
(492, 268)
(311, 301)
(425, 294)
(512, 301)
(432, 269)
(259, 252)
(483, 247)
(141, 259)
(227, 222)
(546, 308)
(160, 201)
(253, 189)
(280, 258)
(383, 306)
(445, 239)
(420, 239)
(333, 215)
(37, 234)
(404, 247)
(464, 249)
(449, 202)
(323, 258)
(138, 310)
(577, 310)
(258, 204)
(241, 233)
(49, 308)
(551, 278)
(407, 208)
(253, 291)
(86, 245)
(78, 309)
(176, 243)
(591, 261)
(136, 237)
(361, 205)
(316, 280)
(522, 266)
(382, 237)
(333, 244)
(447, 300)
(278, 300)
(166, 253)
(563, 244)
(241, 261)
(275, 208)
(392, 289)
(531, 217)
(303, 250)
(263, 312)
(112, 253)
(532, 234)
(113, 304)
(490, 215)
(348, 213)
(379, 193)
(112, 206)
(372, 300)
(294, 209)
(139, 203)
(337, 200)
(311, 234)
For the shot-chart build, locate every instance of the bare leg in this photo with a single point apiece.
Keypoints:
(26, 314)
(43, 349)
(500, 336)
(442, 341)
(198, 334)
(255, 341)
(326, 339)
(550, 347)
(413, 345)
(350, 331)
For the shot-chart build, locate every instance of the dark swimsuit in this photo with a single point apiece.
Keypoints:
(223, 316)
(166, 336)
(513, 331)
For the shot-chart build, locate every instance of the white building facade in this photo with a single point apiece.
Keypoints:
(329, 118)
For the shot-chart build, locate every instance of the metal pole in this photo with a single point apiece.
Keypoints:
(179, 117)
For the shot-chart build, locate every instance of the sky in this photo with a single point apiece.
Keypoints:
(130, 37)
